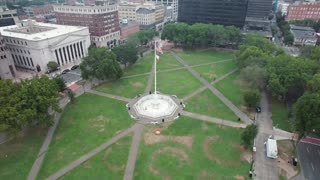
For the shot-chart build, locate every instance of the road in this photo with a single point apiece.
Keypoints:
(309, 156)
(264, 168)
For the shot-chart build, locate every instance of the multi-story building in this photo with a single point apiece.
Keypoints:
(231, 12)
(283, 7)
(128, 28)
(259, 8)
(38, 10)
(8, 17)
(302, 11)
(7, 68)
(172, 3)
(32, 45)
(303, 36)
(147, 14)
(102, 20)
(127, 11)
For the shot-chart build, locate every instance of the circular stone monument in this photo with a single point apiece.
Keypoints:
(155, 108)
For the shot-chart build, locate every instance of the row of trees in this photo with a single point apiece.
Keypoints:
(308, 22)
(27, 103)
(284, 28)
(288, 78)
(201, 35)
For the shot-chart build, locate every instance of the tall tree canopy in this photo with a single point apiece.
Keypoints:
(101, 64)
(27, 102)
(287, 74)
(201, 35)
(307, 110)
(126, 54)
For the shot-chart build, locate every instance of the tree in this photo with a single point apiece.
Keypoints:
(60, 83)
(307, 110)
(126, 54)
(289, 75)
(251, 56)
(306, 51)
(101, 64)
(314, 83)
(254, 76)
(145, 36)
(252, 98)
(316, 54)
(248, 135)
(260, 42)
(52, 65)
(27, 103)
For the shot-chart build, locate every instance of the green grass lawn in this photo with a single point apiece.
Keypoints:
(280, 116)
(215, 153)
(167, 61)
(108, 164)
(144, 65)
(214, 71)
(125, 87)
(180, 83)
(18, 155)
(232, 88)
(200, 57)
(85, 125)
(208, 104)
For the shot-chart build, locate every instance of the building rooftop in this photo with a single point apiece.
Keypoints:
(35, 31)
(302, 32)
(144, 11)
(128, 24)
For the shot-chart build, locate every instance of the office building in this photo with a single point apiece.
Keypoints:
(7, 68)
(102, 20)
(231, 12)
(32, 45)
(8, 17)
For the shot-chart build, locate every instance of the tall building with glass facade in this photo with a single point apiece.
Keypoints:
(225, 12)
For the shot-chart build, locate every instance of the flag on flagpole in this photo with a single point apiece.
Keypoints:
(159, 46)
(158, 58)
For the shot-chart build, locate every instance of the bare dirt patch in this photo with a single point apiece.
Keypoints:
(137, 84)
(205, 175)
(99, 123)
(176, 152)
(151, 138)
(239, 178)
(206, 148)
(245, 153)
(285, 152)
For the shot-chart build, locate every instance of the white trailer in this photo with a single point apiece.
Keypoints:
(272, 149)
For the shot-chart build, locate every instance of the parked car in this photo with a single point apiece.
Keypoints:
(74, 67)
(65, 71)
(258, 109)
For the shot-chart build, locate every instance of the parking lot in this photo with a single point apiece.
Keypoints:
(309, 155)
(69, 77)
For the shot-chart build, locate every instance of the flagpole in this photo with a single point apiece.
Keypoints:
(155, 67)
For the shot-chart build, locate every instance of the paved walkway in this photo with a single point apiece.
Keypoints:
(174, 69)
(109, 95)
(214, 120)
(264, 168)
(37, 164)
(205, 87)
(226, 101)
(93, 152)
(128, 175)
